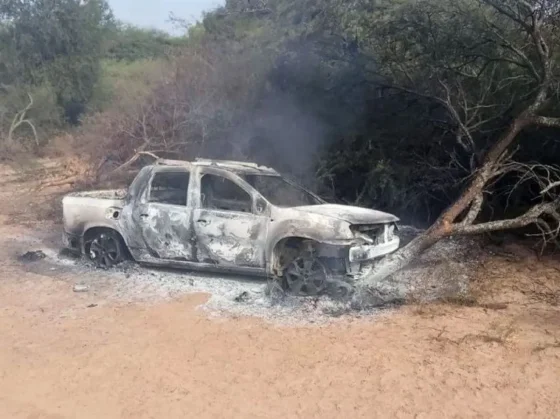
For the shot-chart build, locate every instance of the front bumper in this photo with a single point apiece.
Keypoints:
(371, 251)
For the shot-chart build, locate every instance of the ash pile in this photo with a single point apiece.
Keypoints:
(443, 271)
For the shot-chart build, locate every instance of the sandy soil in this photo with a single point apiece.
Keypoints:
(82, 355)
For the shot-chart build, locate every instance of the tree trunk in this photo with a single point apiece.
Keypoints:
(403, 257)
(444, 225)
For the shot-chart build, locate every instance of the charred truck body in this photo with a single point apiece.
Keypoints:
(228, 216)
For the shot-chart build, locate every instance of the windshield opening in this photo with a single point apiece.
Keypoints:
(278, 191)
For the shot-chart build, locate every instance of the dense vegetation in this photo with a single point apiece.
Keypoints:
(385, 103)
(57, 58)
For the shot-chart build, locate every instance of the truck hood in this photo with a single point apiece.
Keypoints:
(353, 215)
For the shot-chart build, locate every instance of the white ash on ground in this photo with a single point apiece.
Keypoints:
(442, 271)
(229, 296)
(445, 270)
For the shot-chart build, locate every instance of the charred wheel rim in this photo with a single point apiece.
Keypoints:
(105, 250)
(306, 276)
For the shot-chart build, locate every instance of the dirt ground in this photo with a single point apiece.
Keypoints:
(80, 355)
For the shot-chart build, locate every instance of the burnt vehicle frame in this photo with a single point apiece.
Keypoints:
(302, 246)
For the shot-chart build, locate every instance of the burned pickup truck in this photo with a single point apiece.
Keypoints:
(227, 216)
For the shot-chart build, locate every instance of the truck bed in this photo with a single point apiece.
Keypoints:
(105, 194)
(101, 208)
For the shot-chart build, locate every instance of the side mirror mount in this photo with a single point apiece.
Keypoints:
(260, 206)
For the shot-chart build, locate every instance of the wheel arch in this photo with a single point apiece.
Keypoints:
(280, 246)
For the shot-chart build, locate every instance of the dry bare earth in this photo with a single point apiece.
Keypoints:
(108, 354)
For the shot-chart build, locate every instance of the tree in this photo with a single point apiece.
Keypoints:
(487, 64)
(130, 43)
(193, 112)
(58, 42)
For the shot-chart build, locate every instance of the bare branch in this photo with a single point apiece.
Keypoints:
(30, 124)
(546, 177)
(530, 217)
(546, 121)
(130, 162)
(476, 205)
(505, 43)
(508, 12)
(550, 187)
(451, 109)
(19, 120)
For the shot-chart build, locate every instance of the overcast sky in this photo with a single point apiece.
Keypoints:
(155, 13)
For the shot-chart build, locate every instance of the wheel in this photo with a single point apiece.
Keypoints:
(105, 249)
(306, 275)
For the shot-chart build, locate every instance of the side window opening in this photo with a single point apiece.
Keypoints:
(220, 193)
(170, 188)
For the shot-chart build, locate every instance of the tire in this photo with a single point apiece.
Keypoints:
(105, 249)
(306, 276)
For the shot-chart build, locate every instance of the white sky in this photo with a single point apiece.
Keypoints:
(155, 13)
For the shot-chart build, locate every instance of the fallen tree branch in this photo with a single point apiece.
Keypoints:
(476, 206)
(546, 121)
(532, 216)
(495, 162)
(130, 162)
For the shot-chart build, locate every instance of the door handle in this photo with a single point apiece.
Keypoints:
(203, 221)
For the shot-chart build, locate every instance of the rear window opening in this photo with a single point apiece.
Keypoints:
(170, 188)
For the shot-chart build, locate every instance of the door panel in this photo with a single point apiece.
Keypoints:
(227, 231)
(166, 231)
(229, 238)
(164, 218)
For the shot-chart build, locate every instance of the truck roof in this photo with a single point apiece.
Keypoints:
(235, 166)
